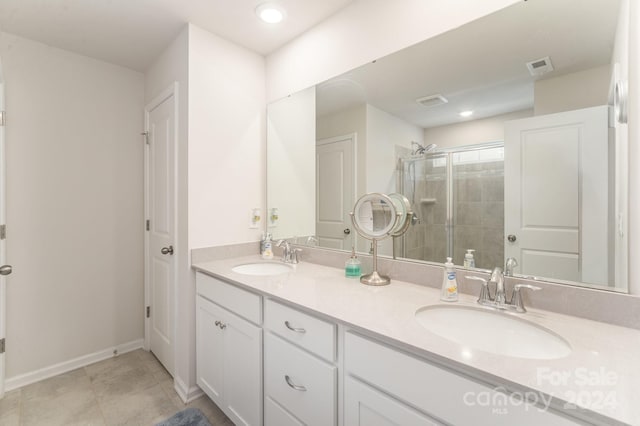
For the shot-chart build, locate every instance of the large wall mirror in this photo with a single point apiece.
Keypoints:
(501, 134)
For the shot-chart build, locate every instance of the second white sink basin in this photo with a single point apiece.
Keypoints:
(263, 268)
(492, 331)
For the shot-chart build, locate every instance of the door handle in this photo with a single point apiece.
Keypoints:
(6, 269)
(347, 231)
(167, 250)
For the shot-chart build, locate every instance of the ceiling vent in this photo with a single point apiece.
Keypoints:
(540, 66)
(432, 100)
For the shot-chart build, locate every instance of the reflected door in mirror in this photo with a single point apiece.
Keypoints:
(335, 191)
(556, 195)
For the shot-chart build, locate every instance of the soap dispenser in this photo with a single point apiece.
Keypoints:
(449, 284)
(352, 267)
(267, 254)
(469, 261)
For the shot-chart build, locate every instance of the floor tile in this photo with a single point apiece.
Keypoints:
(75, 405)
(10, 408)
(148, 406)
(129, 389)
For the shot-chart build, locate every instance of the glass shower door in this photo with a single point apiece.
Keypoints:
(423, 180)
(478, 205)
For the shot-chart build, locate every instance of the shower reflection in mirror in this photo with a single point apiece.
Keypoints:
(457, 196)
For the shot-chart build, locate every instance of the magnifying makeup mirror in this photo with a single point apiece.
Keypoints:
(375, 216)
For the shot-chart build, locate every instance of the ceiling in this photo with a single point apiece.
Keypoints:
(132, 33)
(480, 66)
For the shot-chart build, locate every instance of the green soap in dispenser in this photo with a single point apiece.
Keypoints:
(352, 267)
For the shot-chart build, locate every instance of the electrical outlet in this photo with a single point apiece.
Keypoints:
(255, 217)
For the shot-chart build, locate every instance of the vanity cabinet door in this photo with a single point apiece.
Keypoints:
(209, 357)
(229, 362)
(366, 406)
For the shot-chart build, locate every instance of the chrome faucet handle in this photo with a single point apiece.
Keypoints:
(516, 299)
(484, 296)
(286, 251)
(295, 255)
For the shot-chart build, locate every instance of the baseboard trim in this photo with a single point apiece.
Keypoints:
(186, 394)
(73, 364)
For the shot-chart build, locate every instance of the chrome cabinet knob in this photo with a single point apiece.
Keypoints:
(6, 269)
(511, 238)
(347, 231)
(167, 250)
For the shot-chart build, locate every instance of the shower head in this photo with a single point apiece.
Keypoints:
(421, 149)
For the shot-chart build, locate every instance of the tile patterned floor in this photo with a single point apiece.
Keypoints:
(130, 389)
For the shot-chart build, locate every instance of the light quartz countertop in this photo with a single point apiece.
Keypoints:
(601, 375)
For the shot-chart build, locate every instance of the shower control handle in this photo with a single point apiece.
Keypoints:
(511, 238)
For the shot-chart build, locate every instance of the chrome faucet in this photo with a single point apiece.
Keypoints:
(497, 277)
(289, 254)
(500, 300)
(509, 266)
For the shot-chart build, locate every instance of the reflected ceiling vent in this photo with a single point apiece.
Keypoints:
(540, 66)
(432, 100)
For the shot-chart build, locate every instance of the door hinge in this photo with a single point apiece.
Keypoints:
(3, 118)
(2, 345)
(146, 137)
(3, 232)
(148, 311)
(148, 226)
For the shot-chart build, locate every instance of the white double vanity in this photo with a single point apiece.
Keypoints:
(308, 346)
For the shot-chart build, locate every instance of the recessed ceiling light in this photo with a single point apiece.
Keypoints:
(270, 13)
(466, 113)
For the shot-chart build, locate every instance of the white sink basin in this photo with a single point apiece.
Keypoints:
(492, 331)
(263, 268)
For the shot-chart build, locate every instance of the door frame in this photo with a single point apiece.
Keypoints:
(3, 279)
(171, 90)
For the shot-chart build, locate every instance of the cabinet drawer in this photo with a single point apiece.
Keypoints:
(300, 382)
(232, 298)
(437, 391)
(308, 332)
(275, 415)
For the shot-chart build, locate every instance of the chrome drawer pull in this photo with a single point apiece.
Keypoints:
(291, 385)
(297, 330)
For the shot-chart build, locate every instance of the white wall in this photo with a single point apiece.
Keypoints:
(567, 92)
(291, 176)
(472, 132)
(226, 140)
(385, 133)
(74, 205)
(364, 31)
(172, 66)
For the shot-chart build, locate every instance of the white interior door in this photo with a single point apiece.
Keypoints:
(4, 268)
(335, 180)
(556, 195)
(161, 235)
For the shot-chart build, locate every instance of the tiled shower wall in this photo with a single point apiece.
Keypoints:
(478, 213)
